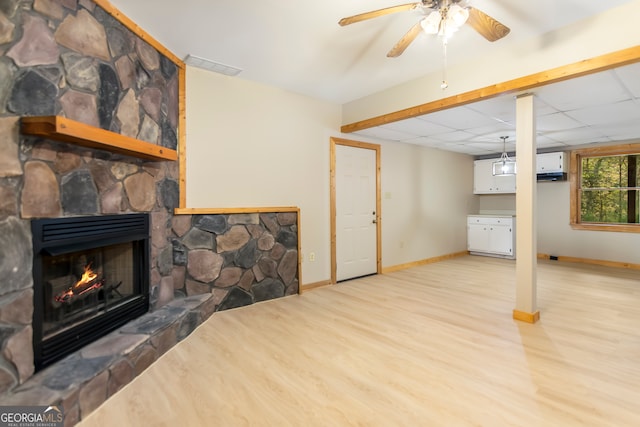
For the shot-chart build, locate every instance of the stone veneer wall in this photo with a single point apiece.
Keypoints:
(239, 258)
(70, 58)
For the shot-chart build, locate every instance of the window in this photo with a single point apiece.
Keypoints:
(605, 189)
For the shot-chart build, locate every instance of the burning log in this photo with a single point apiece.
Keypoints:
(89, 283)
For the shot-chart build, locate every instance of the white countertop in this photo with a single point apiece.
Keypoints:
(493, 215)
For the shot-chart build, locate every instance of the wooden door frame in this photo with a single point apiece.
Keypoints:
(332, 203)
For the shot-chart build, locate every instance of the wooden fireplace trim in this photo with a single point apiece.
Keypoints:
(66, 130)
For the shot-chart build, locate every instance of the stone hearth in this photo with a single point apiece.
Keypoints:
(85, 379)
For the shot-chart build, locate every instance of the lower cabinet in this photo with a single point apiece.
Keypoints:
(491, 235)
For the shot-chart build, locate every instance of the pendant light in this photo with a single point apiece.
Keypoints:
(505, 165)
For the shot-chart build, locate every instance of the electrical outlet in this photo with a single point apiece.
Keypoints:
(312, 256)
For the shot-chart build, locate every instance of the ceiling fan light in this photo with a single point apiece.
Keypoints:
(431, 24)
(448, 29)
(457, 16)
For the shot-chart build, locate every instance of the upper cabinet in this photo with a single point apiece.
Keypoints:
(549, 167)
(484, 182)
(551, 163)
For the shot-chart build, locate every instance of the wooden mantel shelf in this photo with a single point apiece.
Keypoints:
(67, 130)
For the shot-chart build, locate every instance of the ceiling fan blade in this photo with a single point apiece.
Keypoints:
(376, 13)
(405, 41)
(488, 27)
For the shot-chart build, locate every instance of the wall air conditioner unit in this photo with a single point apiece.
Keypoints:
(551, 176)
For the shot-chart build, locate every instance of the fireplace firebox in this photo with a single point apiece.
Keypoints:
(90, 276)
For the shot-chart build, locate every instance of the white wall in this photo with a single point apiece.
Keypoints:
(238, 130)
(251, 145)
(426, 195)
(555, 235)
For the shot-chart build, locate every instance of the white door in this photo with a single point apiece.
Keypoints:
(355, 212)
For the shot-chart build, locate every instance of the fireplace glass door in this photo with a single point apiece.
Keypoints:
(84, 284)
(90, 276)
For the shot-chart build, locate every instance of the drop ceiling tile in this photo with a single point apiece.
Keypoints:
(455, 137)
(630, 78)
(502, 108)
(585, 135)
(556, 121)
(566, 136)
(542, 108)
(459, 148)
(494, 132)
(417, 127)
(495, 147)
(619, 112)
(544, 142)
(621, 131)
(576, 142)
(459, 118)
(595, 89)
(424, 141)
(383, 133)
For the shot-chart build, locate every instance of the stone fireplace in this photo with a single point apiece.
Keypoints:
(119, 87)
(90, 276)
(184, 268)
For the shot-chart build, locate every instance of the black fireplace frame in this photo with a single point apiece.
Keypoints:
(57, 236)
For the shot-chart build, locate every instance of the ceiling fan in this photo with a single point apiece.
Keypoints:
(442, 17)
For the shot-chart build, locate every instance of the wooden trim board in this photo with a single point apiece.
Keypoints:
(588, 66)
(316, 285)
(219, 211)
(575, 172)
(526, 317)
(426, 261)
(182, 137)
(66, 130)
(604, 263)
(124, 20)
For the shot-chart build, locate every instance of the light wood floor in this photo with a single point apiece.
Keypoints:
(428, 346)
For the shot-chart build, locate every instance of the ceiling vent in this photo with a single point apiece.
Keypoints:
(207, 64)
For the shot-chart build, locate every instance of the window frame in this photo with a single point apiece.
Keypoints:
(575, 173)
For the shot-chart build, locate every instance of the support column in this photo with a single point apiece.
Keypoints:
(526, 234)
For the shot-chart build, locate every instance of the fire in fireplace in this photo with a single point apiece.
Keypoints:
(89, 282)
(90, 277)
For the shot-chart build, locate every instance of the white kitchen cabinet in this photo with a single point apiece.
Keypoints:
(551, 163)
(484, 182)
(492, 235)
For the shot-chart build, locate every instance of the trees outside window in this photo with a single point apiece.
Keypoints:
(605, 188)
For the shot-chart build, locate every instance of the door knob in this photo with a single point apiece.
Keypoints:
(374, 221)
